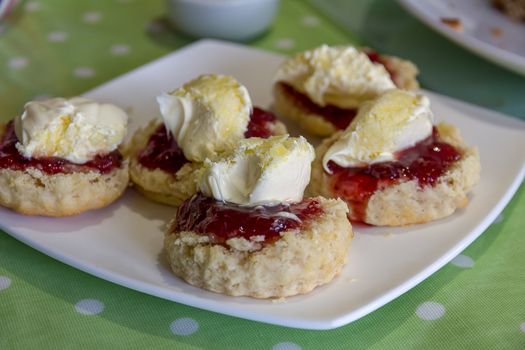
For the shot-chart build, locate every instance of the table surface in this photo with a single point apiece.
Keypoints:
(63, 48)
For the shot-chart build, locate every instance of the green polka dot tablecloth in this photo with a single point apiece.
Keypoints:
(63, 48)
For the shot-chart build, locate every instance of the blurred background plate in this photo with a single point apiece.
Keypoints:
(485, 30)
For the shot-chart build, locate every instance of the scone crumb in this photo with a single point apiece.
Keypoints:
(191, 239)
(279, 300)
(453, 23)
(259, 238)
(244, 245)
(496, 32)
(388, 234)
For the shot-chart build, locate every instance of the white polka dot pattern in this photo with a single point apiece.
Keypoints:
(32, 6)
(184, 326)
(430, 311)
(310, 21)
(120, 49)
(92, 17)
(89, 307)
(285, 43)
(5, 282)
(17, 62)
(57, 37)
(286, 346)
(84, 72)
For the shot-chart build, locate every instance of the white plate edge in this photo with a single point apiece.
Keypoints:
(504, 58)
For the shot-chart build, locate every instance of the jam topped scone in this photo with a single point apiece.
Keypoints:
(393, 167)
(250, 232)
(60, 157)
(203, 118)
(323, 88)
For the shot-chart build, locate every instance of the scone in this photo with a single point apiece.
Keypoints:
(249, 232)
(323, 88)
(203, 118)
(393, 167)
(60, 157)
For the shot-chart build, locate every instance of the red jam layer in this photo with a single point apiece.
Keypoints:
(425, 162)
(222, 221)
(162, 151)
(261, 123)
(339, 117)
(10, 158)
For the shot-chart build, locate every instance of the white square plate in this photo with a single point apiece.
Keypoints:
(123, 242)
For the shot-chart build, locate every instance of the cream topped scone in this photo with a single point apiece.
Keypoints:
(323, 88)
(248, 231)
(393, 167)
(202, 119)
(60, 157)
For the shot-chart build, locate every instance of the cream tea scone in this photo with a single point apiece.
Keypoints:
(250, 232)
(393, 167)
(202, 119)
(60, 157)
(322, 89)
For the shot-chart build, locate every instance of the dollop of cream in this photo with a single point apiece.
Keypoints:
(260, 172)
(341, 76)
(75, 129)
(207, 115)
(392, 122)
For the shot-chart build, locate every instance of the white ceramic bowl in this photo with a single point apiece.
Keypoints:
(224, 19)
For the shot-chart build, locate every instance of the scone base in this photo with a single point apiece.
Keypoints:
(294, 264)
(32, 192)
(406, 203)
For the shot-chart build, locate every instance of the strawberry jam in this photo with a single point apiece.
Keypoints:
(261, 123)
(222, 221)
(162, 151)
(425, 162)
(10, 158)
(339, 117)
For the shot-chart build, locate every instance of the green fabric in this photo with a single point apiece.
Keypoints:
(483, 300)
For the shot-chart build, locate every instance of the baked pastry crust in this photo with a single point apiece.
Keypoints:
(156, 184)
(159, 185)
(406, 203)
(33, 192)
(294, 264)
(405, 73)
